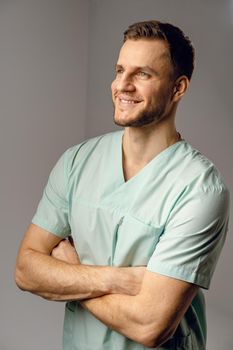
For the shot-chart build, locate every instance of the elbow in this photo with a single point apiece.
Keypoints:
(27, 283)
(154, 341)
(24, 271)
(153, 336)
(20, 279)
(21, 276)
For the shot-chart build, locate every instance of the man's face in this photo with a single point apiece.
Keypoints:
(143, 88)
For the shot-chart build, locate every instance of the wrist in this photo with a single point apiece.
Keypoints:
(127, 280)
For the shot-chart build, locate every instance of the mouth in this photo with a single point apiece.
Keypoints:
(131, 102)
(126, 101)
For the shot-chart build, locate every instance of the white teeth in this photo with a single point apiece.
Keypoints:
(128, 101)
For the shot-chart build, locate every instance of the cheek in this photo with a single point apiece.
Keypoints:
(150, 95)
(113, 86)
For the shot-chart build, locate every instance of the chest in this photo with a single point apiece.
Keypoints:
(119, 224)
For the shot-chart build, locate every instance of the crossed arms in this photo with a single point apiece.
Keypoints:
(143, 306)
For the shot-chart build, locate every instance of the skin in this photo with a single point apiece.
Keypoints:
(144, 306)
(39, 272)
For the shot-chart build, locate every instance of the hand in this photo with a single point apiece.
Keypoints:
(65, 251)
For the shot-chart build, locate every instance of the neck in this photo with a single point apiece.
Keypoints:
(142, 144)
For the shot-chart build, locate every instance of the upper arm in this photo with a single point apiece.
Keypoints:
(163, 301)
(184, 258)
(52, 213)
(36, 240)
(39, 240)
(193, 236)
(50, 223)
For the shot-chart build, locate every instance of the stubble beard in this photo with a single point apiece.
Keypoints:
(144, 118)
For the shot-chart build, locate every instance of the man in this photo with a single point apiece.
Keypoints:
(147, 213)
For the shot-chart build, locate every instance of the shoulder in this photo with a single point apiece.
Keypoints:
(78, 154)
(196, 170)
(197, 184)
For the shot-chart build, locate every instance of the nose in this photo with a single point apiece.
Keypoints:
(124, 83)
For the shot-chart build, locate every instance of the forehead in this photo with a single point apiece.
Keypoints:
(142, 52)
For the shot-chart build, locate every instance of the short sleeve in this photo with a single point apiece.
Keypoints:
(193, 236)
(52, 212)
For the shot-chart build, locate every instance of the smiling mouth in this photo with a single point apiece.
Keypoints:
(128, 101)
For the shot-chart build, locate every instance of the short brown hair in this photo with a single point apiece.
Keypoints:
(180, 46)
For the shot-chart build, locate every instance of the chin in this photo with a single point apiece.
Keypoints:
(125, 120)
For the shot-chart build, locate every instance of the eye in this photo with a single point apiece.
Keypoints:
(119, 71)
(143, 74)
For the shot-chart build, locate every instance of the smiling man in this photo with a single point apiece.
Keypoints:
(141, 92)
(147, 212)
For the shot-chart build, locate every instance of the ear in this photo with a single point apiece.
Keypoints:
(180, 87)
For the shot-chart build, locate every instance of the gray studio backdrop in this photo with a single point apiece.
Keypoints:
(56, 65)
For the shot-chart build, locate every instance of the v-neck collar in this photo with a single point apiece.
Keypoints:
(160, 155)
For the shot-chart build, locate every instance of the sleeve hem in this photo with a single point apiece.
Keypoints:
(53, 229)
(181, 273)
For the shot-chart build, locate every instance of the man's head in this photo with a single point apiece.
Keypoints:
(153, 70)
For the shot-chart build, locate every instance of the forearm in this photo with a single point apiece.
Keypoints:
(54, 279)
(123, 313)
(116, 312)
(150, 317)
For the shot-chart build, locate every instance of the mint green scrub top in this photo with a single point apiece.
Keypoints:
(172, 216)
